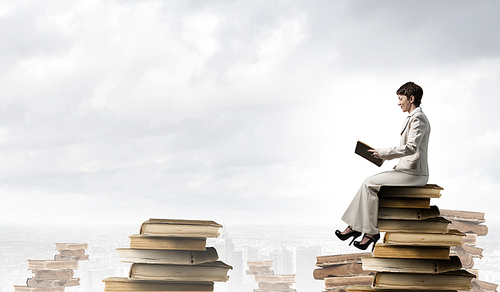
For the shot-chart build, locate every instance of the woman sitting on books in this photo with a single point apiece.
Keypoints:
(412, 170)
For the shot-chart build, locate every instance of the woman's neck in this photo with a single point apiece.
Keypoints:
(412, 108)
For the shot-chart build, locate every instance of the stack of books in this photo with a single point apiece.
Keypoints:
(424, 248)
(341, 271)
(171, 255)
(267, 280)
(415, 251)
(71, 252)
(55, 275)
(259, 268)
(470, 223)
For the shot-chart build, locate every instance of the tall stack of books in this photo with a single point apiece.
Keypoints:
(171, 255)
(55, 275)
(267, 280)
(470, 223)
(415, 251)
(341, 271)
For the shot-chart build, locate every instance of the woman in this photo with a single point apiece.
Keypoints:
(412, 169)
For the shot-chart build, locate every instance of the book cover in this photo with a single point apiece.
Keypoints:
(334, 282)
(432, 225)
(411, 252)
(456, 280)
(427, 191)
(416, 203)
(51, 265)
(362, 150)
(180, 228)
(36, 289)
(169, 243)
(171, 257)
(213, 272)
(52, 283)
(452, 238)
(120, 284)
(418, 266)
(330, 260)
(408, 213)
(370, 289)
(343, 270)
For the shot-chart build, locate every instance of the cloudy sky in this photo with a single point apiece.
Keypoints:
(243, 112)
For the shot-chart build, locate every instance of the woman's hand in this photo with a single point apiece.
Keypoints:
(374, 152)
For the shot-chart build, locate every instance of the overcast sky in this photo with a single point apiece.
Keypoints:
(242, 112)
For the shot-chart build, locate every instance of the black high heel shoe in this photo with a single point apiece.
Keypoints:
(343, 237)
(373, 238)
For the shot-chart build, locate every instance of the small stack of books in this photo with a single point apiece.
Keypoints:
(259, 268)
(71, 252)
(415, 252)
(275, 283)
(267, 280)
(55, 275)
(341, 271)
(470, 223)
(171, 255)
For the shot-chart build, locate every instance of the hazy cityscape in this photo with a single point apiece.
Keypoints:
(292, 248)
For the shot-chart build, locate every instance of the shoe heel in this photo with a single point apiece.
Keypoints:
(364, 246)
(343, 237)
(353, 238)
(375, 241)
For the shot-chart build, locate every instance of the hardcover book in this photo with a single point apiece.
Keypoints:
(370, 289)
(64, 274)
(362, 150)
(452, 238)
(334, 282)
(52, 283)
(51, 265)
(433, 225)
(213, 272)
(172, 257)
(330, 260)
(456, 280)
(418, 266)
(411, 252)
(282, 278)
(475, 217)
(343, 270)
(168, 243)
(408, 213)
(180, 228)
(411, 203)
(427, 191)
(36, 289)
(120, 284)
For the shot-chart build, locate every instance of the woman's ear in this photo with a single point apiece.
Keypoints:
(411, 99)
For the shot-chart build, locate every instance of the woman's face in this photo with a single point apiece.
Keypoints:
(404, 103)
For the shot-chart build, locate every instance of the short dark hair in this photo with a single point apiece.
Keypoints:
(411, 89)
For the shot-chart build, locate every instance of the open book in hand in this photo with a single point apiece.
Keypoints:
(362, 150)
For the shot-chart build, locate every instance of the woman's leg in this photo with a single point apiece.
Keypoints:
(362, 213)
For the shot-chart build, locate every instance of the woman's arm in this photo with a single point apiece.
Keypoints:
(418, 126)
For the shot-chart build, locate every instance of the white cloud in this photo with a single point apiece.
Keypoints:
(235, 110)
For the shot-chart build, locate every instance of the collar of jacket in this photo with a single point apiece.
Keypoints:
(407, 120)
